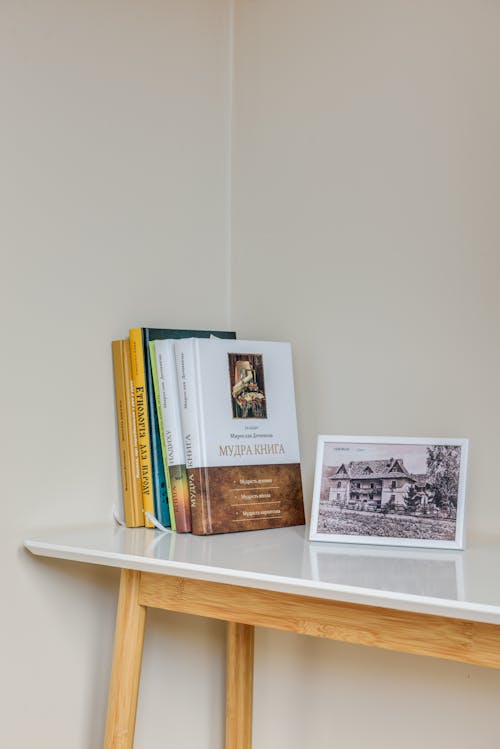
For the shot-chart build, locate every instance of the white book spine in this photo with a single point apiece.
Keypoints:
(189, 409)
(200, 417)
(188, 392)
(169, 402)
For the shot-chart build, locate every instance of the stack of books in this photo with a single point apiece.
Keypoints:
(207, 431)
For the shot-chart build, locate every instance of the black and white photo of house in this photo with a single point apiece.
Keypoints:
(393, 490)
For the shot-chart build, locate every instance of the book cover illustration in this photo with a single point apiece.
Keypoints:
(242, 451)
(247, 386)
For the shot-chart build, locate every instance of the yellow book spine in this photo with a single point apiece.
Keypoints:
(142, 421)
(130, 476)
(137, 514)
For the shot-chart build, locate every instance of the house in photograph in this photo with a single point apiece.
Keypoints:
(373, 484)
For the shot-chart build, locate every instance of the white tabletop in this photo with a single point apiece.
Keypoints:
(460, 584)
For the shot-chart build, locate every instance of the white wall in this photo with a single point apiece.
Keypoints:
(365, 230)
(366, 186)
(113, 146)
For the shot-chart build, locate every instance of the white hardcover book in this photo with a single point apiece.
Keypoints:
(240, 430)
(170, 423)
(169, 403)
(184, 360)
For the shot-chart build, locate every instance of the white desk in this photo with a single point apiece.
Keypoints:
(444, 604)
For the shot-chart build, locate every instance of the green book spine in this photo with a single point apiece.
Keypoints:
(159, 413)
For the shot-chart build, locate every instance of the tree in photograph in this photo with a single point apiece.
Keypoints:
(411, 500)
(443, 469)
(437, 497)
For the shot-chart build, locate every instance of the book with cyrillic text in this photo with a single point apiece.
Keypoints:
(157, 503)
(127, 435)
(240, 434)
(172, 441)
(142, 423)
(163, 498)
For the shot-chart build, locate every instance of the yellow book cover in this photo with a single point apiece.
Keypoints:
(142, 421)
(127, 435)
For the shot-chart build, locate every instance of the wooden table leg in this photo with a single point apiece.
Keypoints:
(126, 669)
(239, 685)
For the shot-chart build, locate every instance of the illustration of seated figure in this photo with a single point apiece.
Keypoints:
(246, 392)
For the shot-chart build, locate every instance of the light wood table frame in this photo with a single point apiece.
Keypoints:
(245, 608)
(460, 629)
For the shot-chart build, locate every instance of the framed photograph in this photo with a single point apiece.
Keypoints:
(399, 491)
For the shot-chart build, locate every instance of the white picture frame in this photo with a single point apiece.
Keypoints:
(397, 491)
